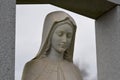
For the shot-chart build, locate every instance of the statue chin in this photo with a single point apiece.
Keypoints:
(61, 50)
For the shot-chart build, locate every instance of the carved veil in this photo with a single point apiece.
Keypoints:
(52, 19)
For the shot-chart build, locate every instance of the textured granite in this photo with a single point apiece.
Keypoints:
(7, 39)
(108, 45)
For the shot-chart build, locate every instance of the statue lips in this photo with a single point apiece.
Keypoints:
(63, 45)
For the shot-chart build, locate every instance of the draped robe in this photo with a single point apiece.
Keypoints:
(46, 69)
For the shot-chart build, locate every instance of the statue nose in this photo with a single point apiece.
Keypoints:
(64, 39)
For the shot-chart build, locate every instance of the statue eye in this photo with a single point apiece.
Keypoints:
(69, 35)
(59, 33)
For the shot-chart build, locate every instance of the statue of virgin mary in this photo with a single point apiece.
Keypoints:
(54, 60)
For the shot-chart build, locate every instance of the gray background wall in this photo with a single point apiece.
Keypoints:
(108, 45)
(7, 39)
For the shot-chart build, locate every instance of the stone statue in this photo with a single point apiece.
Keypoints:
(54, 59)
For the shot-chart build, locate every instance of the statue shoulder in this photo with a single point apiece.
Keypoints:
(32, 68)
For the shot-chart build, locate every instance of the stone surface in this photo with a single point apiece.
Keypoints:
(7, 39)
(108, 45)
(89, 8)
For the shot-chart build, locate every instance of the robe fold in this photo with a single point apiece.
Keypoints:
(46, 69)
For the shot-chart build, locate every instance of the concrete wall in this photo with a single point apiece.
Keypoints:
(108, 45)
(7, 39)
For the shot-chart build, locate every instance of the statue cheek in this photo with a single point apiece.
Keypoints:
(55, 42)
(68, 43)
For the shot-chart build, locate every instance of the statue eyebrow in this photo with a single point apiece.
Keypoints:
(59, 30)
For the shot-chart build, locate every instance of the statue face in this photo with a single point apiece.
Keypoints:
(61, 38)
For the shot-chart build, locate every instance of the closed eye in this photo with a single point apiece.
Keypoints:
(60, 33)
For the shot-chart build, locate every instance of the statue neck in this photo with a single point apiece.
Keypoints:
(55, 56)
